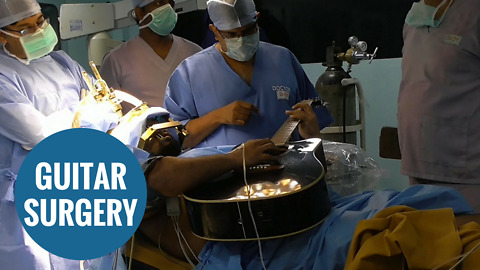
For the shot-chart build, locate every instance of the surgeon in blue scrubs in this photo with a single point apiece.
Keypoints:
(240, 88)
(39, 94)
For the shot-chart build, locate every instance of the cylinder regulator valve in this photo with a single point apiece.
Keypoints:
(356, 53)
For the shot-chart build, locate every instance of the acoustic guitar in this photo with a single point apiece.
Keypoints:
(284, 199)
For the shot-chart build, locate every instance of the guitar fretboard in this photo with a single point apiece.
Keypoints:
(286, 130)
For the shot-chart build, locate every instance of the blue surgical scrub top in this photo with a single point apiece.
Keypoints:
(204, 82)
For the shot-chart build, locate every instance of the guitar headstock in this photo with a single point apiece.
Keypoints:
(316, 102)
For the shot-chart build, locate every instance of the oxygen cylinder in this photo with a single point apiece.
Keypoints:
(341, 100)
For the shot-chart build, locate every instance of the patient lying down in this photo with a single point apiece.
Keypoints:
(422, 227)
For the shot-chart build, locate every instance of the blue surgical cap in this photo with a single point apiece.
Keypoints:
(231, 14)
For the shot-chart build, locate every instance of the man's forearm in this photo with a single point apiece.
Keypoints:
(173, 176)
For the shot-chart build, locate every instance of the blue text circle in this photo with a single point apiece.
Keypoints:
(96, 187)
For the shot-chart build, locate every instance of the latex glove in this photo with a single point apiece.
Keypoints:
(95, 115)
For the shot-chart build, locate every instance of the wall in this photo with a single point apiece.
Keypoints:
(380, 81)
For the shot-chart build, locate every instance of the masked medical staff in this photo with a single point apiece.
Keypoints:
(240, 88)
(439, 98)
(143, 65)
(39, 93)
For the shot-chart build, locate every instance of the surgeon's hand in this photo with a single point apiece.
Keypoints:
(91, 114)
(237, 113)
(308, 126)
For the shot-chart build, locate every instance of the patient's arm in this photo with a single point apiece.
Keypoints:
(172, 176)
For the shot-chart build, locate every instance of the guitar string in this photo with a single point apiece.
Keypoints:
(250, 207)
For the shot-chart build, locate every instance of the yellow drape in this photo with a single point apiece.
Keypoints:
(400, 237)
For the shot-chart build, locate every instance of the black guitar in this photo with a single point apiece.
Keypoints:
(285, 199)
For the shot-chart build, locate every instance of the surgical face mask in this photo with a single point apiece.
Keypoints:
(422, 14)
(242, 48)
(163, 20)
(37, 44)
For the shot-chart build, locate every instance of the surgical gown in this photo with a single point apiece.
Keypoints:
(134, 67)
(31, 97)
(439, 98)
(204, 82)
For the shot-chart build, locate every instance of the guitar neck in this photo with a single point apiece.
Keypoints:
(286, 130)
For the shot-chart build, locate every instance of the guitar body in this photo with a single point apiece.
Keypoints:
(284, 201)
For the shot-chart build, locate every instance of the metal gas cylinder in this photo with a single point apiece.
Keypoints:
(340, 99)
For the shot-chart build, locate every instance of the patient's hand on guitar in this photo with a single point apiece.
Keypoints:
(280, 149)
(308, 126)
(257, 152)
(237, 113)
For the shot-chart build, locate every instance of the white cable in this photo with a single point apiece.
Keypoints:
(159, 242)
(185, 240)
(173, 259)
(461, 257)
(466, 255)
(131, 252)
(250, 207)
(241, 220)
(181, 245)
